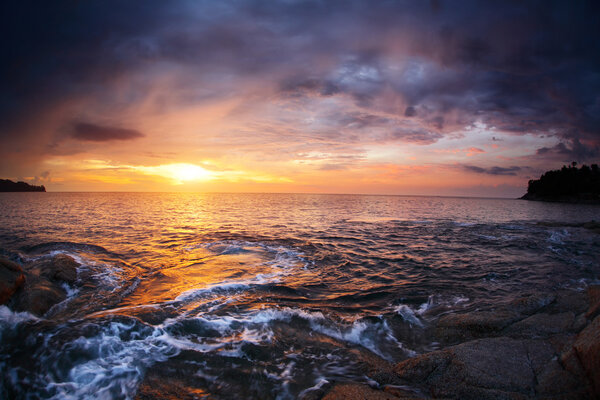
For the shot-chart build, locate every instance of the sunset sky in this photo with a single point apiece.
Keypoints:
(470, 98)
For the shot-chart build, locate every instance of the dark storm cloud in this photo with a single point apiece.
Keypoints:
(56, 50)
(385, 129)
(96, 133)
(520, 66)
(298, 86)
(492, 170)
(516, 66)
(575, 151)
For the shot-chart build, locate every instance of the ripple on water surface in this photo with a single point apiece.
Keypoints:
(264, 296)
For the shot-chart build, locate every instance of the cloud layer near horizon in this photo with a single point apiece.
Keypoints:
(302, 87)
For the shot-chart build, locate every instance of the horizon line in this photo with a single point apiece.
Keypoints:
(283, 193)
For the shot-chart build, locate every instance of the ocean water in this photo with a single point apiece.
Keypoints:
(265, 295)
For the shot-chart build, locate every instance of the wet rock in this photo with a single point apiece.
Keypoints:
(542, 325)
(375, 367)
(11, 279)
(587, 347)
(478, 324)
(561, 342)
(492, 368)
(593, 294)
(401, 392)
(167, 389)
(58, 268)
(555, 382)
(44, 284)
(38, 296)
(579, 323)
(315, 393)
(349, 391)
(529, 304)
(569, 361)
(569, 300)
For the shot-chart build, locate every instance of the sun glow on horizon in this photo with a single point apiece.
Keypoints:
(180, 172)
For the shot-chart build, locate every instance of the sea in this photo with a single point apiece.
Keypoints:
(266, 296)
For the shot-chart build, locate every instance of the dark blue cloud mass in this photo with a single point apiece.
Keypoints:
(517, 66)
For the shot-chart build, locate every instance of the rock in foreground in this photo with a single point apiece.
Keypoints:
(40, 285)
(11, 279)
(346, 391)
(539, 346)
(587, 347)
(493, 368)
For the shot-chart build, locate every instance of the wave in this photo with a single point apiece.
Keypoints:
(415, 316)
(9, 319)
(108, 363)
(274, 262)
(253, 327)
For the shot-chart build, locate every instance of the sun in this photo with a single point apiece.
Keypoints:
(187, 172)
(178, 173)
(183, 172)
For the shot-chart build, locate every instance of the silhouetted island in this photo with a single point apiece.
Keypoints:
(6, 185)
(568, 184)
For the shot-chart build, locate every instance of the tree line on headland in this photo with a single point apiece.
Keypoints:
(568, 184)
(6, 185)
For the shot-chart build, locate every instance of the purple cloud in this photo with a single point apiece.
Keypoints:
(97, 133)
(493, 170)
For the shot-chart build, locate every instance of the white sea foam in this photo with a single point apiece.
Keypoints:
(415, 316)
(281, 260)
(10, 319)
(371, 335)
(253, 327)
(114, 363)
(221, 286)
(111, 363)
(557, 237)
(411, 315)
(464, 224)
(408, 315)
(107, 274)
(71, 293)
(320, 381)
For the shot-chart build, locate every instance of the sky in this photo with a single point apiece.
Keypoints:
(456, 98)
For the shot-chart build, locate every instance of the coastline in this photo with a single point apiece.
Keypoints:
(571, 199)
(540, 346)
(8, 186)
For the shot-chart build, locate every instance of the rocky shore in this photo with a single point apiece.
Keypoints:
(538, 346)
(37, 286)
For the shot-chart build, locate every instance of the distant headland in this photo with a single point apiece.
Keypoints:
(568, 184)
(6, 185)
